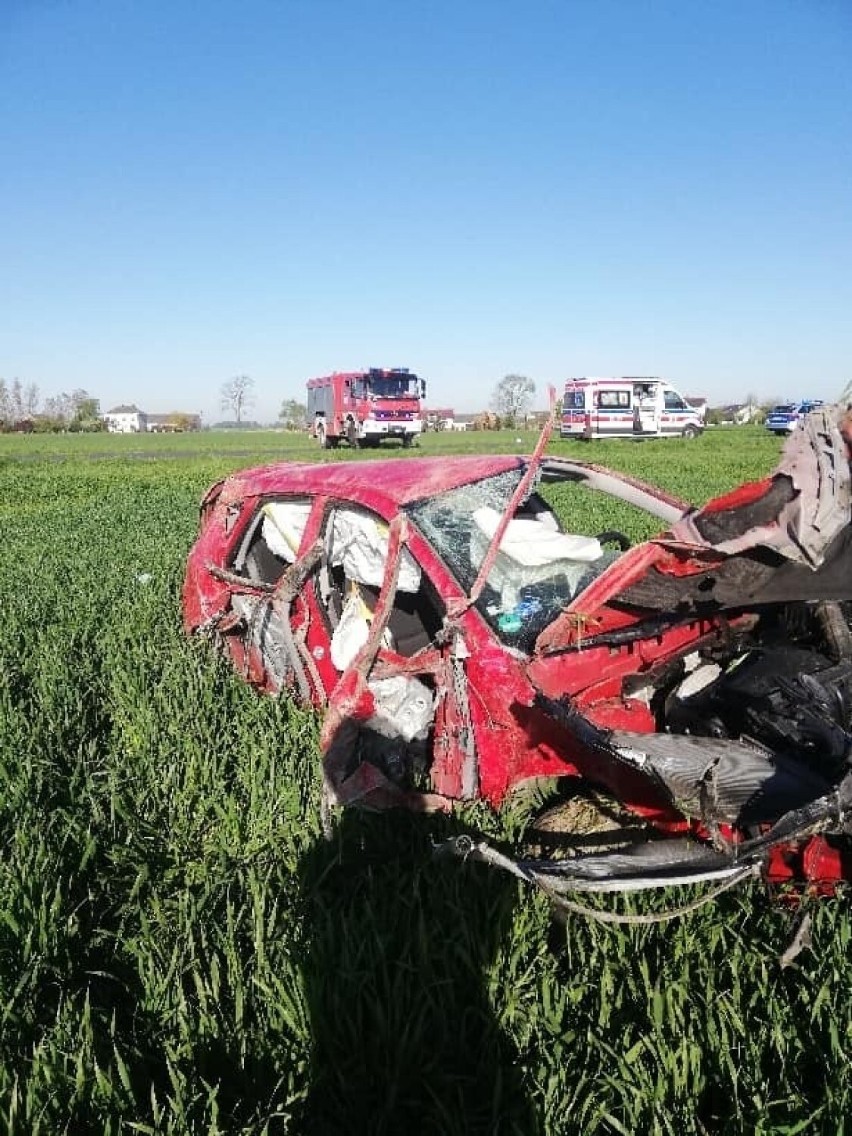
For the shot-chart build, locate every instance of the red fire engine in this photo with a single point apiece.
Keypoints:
(365, 406)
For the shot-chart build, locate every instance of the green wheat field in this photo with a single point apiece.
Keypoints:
(181, 951)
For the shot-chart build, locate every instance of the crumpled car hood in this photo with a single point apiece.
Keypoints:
(787, 537)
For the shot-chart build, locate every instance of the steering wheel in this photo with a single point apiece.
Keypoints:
(613, 536)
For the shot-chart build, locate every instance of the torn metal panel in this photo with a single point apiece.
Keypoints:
(802, 508)
(719, 780)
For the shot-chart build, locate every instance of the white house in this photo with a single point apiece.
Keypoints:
(126, 420)
(750, 412)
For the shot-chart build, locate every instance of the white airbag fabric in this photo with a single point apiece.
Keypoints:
(529, 553)
(359, 544)
(284, 525)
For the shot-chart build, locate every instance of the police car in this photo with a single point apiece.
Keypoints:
(784, 419)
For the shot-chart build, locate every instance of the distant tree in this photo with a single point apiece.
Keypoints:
(512, 397)
(16, 400)
(56, 409)
(86, 409)
(76, 411)
(91, 421)
(5, 405)
(293, 414)
(30, 400)
(80, 404)
(754, 407)
(237, 395)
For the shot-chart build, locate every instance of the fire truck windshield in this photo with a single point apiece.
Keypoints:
(394, 386)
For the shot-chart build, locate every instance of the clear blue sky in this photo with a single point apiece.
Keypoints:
(193, 189)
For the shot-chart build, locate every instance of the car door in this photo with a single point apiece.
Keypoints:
(398, 706)
(675, 412)
(266, 627)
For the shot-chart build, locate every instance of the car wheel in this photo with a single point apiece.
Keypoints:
(690, 432)
(325, 443)
(407, 439)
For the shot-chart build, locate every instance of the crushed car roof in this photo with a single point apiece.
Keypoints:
(399, 480)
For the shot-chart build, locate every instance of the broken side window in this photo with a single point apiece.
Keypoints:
(272, 540)
(584, 508)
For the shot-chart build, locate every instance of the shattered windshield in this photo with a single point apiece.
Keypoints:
(539, 568)
(573, 524)
(447, 521)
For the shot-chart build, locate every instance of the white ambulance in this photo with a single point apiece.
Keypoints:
(633, 406)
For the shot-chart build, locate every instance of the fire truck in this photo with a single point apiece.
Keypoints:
(363, 407)
(635, 406)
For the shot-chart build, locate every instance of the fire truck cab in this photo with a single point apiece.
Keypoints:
(628, 407)
(363, 407)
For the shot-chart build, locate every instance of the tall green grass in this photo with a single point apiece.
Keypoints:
(182, 952)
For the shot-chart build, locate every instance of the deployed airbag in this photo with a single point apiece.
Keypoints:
(359, 545)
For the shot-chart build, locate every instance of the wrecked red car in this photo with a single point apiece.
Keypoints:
(461, 641)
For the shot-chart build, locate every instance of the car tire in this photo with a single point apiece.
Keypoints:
(690, 432)
(324, 441)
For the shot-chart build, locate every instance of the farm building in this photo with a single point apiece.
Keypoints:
(126, 419)
(177, 422)
(129, 419)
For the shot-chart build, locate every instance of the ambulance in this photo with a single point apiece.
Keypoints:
(633, 406)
